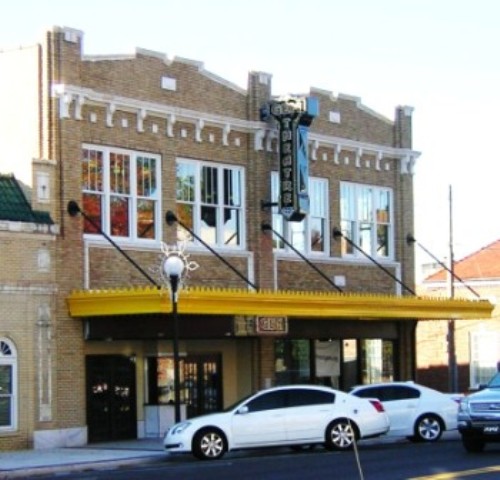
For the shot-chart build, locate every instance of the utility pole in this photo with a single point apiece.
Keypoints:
(452, 356)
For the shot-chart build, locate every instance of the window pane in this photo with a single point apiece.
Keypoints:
(5, 395)
(292, 361)
(231, 226)
(276, 217)
(383, 240)
(377, 361)
(365, 237)
(145, 219)
(185, 188)
(92, 206)
(208, 224)
(232, 185)
(297, 235)
(383, 207)
(209, 189)
(347, 231)
(317, 234)
(185, 214)
(346, 202)
(92, 170)
(119, 173)
(5, 379)
(5, 409)
(146, 176)
(365, 209)
(119, 216)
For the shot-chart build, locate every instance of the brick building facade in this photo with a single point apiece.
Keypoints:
(130, 138)
(28, 293)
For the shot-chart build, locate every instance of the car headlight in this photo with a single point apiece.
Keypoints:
(179, 428)
(463, 407)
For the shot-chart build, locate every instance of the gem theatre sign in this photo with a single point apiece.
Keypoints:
(294, 116)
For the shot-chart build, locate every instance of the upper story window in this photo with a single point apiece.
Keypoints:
(310, 235)
(210, 201)
(121, 192)
(367, 219)
(8, 386)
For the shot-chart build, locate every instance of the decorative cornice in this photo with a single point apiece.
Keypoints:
(274, 303)
(264, 133)
(29, 227)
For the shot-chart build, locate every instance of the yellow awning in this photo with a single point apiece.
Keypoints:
(133, 301)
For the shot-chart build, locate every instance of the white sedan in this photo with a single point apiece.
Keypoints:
(294, 415)
(415, 411)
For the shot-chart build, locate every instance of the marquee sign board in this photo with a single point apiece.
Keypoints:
(294, 116)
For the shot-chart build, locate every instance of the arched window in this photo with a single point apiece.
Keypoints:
(8, 386)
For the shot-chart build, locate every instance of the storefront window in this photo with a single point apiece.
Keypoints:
(377, 364)
(292, 361)
(160, 380)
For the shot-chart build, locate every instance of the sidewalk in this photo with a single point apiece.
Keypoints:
(25, 463)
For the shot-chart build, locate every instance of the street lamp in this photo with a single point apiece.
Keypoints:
(173, 267)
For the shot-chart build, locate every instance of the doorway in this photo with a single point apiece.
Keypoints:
(202, 388)
(111, 398)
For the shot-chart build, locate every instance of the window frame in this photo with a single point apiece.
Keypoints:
(134, 197)
(317, 187)
(361, 209)
(220, 204)
(10, 360)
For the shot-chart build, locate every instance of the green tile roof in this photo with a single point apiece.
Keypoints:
(15, 207)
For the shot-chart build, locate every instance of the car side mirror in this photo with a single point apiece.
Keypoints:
(242, 410)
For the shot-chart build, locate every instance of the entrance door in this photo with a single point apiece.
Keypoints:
(111, 401)
(202, 392)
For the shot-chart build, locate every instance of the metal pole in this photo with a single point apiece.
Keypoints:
(452, 356)
(174, 282)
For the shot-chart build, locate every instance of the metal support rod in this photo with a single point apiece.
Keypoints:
(266, 226)
(411, 239)
(171, 218)
(74, 209)
(338, 233)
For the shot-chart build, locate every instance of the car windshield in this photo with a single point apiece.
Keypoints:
(495, 381)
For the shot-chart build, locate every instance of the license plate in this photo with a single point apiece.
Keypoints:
(492, 429)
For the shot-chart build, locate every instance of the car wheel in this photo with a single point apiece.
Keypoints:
(340, 435)
(209, 444)
(428, 428)
(473, 445)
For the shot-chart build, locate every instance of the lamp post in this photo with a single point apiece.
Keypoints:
(173, 267)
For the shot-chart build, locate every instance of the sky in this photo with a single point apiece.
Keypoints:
(440, 57)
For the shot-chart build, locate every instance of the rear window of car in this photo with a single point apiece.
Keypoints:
(304, 396)
(389, 393)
